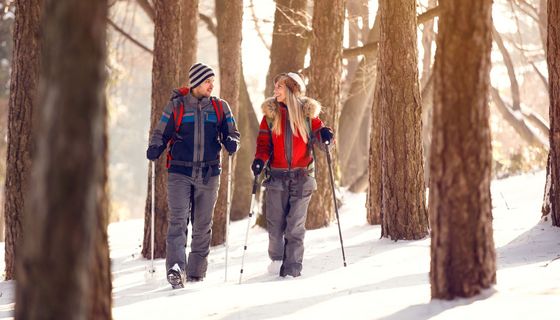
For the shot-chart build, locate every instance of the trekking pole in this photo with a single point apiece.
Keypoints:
(334, 198)
(228, 210)
(152, 270)
(253, 198)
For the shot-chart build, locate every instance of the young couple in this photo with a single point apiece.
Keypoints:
(193, 124)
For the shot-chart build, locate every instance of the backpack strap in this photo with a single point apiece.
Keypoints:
(218, 108)
(310, 142)
(177, 119)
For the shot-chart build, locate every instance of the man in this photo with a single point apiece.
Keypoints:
(193, 123)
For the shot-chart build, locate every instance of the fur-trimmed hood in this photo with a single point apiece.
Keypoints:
(311, 107)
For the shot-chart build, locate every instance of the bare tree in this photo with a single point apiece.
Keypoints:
(23, 88)
(189, 43)
(165, 77)
(553, 60)
(404, 197)
(290, 39)
(55, 267)
(229, 15)
(463, 259)
(324, 85)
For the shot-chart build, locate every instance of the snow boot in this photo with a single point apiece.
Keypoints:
(175, 277)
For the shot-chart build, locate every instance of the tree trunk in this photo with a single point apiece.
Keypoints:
(23, 88)
(229, 15)
(404, 194)
(165, 77)
(101, 291)
(375, 189)
(353, 152)
(249, 128)
(463, 259)
(55, 265)
(553, 60)
(290, 39)
(189, 42)
(324, 85)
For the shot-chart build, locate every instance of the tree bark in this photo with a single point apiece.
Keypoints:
(249, 128)
(324, 85)
(23, 88)
(404, 195)
(229, 15)
(290, 39)
(165, 77)
(463, 259)
(189, 42)
(375, 189)
(55, 266)
(553, 60)
(353, 154)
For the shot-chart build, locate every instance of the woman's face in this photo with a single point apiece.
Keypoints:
(280, 91)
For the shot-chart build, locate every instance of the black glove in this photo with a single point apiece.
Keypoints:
(257, 166)
(231, 145)
(154, 152)
(326, 135)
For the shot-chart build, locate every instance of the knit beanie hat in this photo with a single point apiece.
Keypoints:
(198, 73)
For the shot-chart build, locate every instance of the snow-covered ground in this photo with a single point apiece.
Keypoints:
(383, 279)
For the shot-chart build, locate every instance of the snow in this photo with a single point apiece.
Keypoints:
(383, 280)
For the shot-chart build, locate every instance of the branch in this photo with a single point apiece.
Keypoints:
(257, 27)
(511, 71)
(371, 46)
(543, 78)
(209, 23)
(517, 121)
(129, 37)
(148, 8)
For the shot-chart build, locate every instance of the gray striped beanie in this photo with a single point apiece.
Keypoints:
(198, 73)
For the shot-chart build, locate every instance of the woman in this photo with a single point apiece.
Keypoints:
(288, 130)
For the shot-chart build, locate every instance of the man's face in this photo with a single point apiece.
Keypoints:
(205, 89)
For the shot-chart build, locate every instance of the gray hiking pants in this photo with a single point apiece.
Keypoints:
(287, 200)
(189, 199)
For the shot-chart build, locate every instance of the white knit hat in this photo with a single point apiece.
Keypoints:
(296, 77)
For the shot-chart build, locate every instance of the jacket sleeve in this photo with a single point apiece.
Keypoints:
(264, 141)
(316, 125)
(164, 129)
(229, 125)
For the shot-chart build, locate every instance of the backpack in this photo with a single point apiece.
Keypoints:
(218, 108)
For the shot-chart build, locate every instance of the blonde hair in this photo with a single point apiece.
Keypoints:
(295, 109)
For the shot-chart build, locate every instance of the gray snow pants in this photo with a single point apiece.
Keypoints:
(189, 199)
(287, 199)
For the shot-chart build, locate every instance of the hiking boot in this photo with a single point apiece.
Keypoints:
(175, 277)
(274, 267)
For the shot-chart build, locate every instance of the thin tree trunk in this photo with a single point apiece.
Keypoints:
(249, 128)
(553, 60)
(55, 266)
(428, 37)
(463, 259)
(165, 77)
(23, 88)
(404, 196)
(229, 14)
(353, 154)
(375, 189)
(290, 39)
(324, 85)
(189, 42)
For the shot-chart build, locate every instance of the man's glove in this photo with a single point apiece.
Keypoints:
(231, 144)
(154, 152)
(326, 135)
(257, 166)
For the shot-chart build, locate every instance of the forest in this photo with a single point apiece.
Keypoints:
(438, 186)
